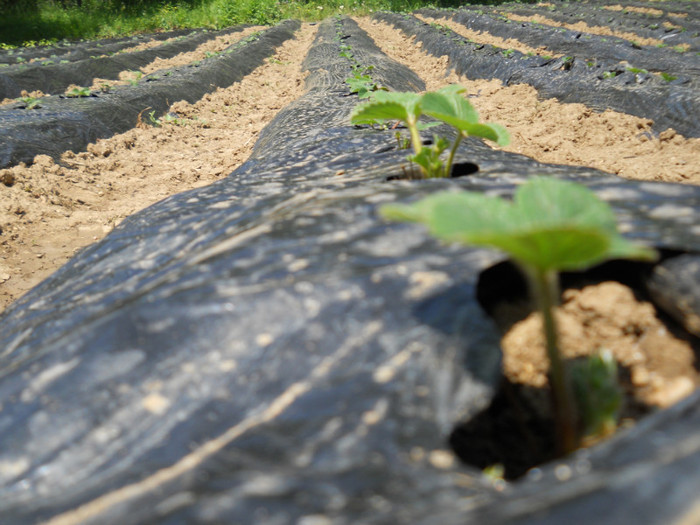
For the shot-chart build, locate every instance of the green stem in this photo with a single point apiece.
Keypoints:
(545, 286)
(451, 158)
(415, 136)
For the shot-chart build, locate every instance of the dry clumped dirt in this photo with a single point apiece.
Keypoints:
(50, 209)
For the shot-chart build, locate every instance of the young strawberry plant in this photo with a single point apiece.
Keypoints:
(551, 226)
(447, 105)
(361, 82)
(78, 92)
(29, 102)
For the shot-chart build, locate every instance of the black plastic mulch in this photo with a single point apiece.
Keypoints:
(586, 47)
(55, 78)
(593, 14)
(268, 349)
(80, 50)
(62, 124)
(602, 85)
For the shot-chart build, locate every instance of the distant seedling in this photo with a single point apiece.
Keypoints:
(551, 226)
(135, 77)
(447, 105)
(78, 92)
(29, 102)
(362, 83)
(668, 77)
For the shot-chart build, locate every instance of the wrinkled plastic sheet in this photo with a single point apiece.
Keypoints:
(80, 50)
(267, 349)
(585, 47)
(63, 124)
(669, 106)
(55, 78)
(644, 25)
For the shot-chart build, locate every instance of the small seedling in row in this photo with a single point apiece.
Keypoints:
(447, 105)
(401, 141)
(79, 92)
(363, 85)
(551, 226)
(508, 52)
(135, 77)
(668, 77)
(29, 102)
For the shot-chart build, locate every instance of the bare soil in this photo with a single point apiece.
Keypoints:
(214, 45)
(585, 28)
(486, 38)
(605, 316)
(642, 10)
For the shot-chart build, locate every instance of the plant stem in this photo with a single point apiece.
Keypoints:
(545, 288)
(451, 158)
(415, 137)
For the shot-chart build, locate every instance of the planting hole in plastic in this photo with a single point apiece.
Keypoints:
(516, 430)
(462, 169)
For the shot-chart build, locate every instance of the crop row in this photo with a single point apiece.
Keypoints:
(72, 51)
(60, 124)
(598, 83)
(53, 77)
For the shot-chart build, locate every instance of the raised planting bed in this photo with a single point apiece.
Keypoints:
(72, 51)
(667, 30)
(62, 124)
(56, 77)
(587, 48)
(598, 84)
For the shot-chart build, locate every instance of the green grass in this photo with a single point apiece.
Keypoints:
(44, 21)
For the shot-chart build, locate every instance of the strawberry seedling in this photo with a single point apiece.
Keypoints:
(551, 226)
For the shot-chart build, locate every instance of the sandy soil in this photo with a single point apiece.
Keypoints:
(50, 210)
(643, 10)
(485, 38)
(585, 28)
(214, 45)
(606, 316)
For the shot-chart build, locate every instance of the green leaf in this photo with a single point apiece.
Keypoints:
(551, 225)
(451, 107)
(598, 393)
(386, 105)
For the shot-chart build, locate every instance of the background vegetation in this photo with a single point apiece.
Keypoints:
(43, 21)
